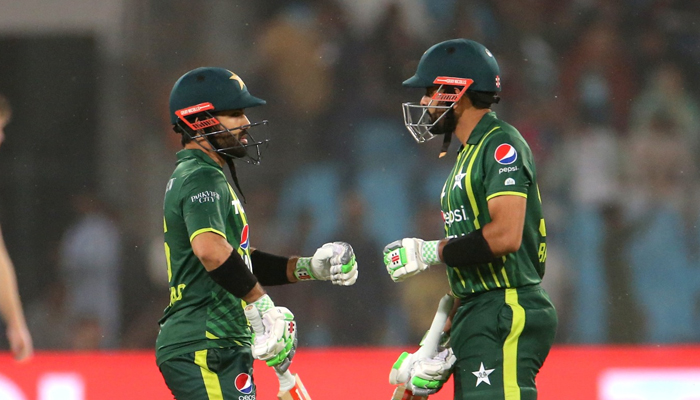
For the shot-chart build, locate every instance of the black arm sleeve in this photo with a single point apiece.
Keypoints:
(270, 269)
(471, 249)
(234, 276)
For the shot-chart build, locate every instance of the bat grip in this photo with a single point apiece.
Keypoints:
(255, 320)
(432, 339)
(287, 380)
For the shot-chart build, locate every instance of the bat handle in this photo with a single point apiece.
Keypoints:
(287, 380)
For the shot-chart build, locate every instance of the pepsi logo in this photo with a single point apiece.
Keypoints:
(244, 238)
(505, 154)
(244, 383)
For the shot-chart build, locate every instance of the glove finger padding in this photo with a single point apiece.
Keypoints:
(335, 262)
(344, 274)
(287, 341)
(401, 370)
(277, 340)
(428, 375)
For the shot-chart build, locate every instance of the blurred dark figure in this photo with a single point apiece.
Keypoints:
(90, 260)
(625, 319)
(597, 79)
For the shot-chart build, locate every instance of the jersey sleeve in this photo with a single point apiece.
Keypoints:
(506, 168)
(205, 202)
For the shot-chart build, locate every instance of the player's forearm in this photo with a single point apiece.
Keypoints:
(10, 305)
(291, 267)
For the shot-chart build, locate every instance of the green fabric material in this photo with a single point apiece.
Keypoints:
(201, 314)
(475, 177)
(185, 380)
(479, 330)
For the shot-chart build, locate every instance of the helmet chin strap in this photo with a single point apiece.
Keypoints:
(445, 144)
(232, 168)
(447, 128)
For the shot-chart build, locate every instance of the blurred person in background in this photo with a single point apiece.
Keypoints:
(90, 263)
(666, 92)
(204, 348)
(503, 323)
(10, 304)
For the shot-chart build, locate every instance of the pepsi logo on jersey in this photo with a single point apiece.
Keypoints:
(505, 154)
(244, 237)
(244, 383)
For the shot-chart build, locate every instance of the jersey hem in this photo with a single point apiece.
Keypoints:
(200, 231)
(506, 194)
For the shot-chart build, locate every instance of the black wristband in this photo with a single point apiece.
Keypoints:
(271, 270)
(470, 249)
(234, 276)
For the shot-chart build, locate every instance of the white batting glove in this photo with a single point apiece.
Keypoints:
(274, 332)
(423, 376)
(401, 370)
(429, 374)
(333, 261)
(407, 257)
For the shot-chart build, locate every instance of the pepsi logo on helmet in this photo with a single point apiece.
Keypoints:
(505, 154)
(244, 237)
(244, 383)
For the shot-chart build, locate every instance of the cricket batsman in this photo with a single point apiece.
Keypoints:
(205, 348)
(503, 324)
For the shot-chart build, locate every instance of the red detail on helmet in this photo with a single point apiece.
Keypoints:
(201, 124)
(446, 80)
(194, 109)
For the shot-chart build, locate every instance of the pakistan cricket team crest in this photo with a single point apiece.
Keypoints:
(482, 375)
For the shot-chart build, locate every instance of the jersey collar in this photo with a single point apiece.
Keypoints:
(482, 127)
(186, 154)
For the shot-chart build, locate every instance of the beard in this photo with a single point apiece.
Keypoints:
(446, 124)
(230, 144)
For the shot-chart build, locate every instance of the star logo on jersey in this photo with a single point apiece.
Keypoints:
(505, 154)
(458, 180)
(482, 375)
(244, 383)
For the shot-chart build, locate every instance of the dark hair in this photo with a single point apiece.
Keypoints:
(184, 136)
(482, 100)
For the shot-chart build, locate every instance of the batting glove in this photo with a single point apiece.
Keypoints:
(333, 261)
(430, 374)
(407, 257)
(274, 332)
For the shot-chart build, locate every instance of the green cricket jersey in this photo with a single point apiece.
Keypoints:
(201, 314)
(496, 161)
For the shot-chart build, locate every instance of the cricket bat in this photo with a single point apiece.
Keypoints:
(430, 344)
(291, 387)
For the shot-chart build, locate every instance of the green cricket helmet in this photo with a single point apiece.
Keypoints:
(203, 91)
(461, 63)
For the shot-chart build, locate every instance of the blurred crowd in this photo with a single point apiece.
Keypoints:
(606, 93)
